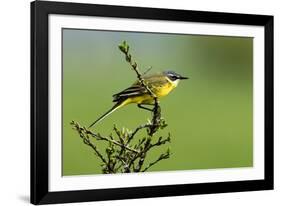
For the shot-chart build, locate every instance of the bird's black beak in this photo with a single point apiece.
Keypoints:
(183, 77)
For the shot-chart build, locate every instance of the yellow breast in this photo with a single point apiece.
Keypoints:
(163, 90)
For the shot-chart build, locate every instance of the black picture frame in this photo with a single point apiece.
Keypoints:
(40, 112)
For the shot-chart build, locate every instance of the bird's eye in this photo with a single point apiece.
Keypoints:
(174, 78)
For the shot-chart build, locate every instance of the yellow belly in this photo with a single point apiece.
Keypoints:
(147, 99)
(144, 99)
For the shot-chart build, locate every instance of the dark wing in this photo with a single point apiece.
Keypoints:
(134, 90)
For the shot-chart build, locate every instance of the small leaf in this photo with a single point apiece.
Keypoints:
(122, 48)
(127, 48)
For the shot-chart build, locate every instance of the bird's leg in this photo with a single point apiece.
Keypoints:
(142, 107)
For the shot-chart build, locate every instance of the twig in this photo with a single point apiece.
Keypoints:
(99, 137)
(149, 68)
(125, 165)
(161, 157)
(160, 141)
(88, 142)
(135, 132)
(124, 47)
(147, 147)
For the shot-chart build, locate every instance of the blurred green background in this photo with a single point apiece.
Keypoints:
(210, 116)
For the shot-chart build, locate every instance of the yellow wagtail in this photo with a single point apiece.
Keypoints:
(160, 84)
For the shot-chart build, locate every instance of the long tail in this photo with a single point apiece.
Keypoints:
(115, 107)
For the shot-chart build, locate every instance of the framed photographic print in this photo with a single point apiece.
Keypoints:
(131, 102)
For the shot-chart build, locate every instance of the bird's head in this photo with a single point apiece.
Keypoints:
(174, 77)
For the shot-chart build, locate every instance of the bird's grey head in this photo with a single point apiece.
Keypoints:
(173, 76)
